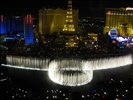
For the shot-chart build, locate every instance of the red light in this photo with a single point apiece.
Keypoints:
(2, 18)
(109, 12)
(28, 19)
(113, 41)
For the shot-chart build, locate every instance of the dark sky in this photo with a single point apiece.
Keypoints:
(86, 7)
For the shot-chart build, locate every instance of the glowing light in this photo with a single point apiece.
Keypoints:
(109, 12)
(69, 26)
(120, 39)
(3, 27)
(129, 8)
(26, 19)
(29, 36)
(2, 18)
(30, 19)
(113, 33)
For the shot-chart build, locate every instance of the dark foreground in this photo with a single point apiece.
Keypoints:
(110, 84)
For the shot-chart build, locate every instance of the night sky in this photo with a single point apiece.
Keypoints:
(85, 7)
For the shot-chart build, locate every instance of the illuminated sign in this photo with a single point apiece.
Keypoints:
(121, 39)
(113, 33)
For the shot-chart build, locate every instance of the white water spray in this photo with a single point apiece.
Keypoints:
(68, 72)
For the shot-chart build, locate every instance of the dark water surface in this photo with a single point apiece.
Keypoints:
(39, 80)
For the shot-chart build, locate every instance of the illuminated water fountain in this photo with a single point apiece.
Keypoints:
(68, 72)
(27, 62)
(75, 72)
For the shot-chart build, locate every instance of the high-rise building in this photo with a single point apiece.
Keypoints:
(53, 20)
(17, 23)
(11, 23)
(69, 26)
(28, 29)
(4, 24)
(121, 19)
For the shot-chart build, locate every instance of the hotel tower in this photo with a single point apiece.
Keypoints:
(121, 19)
(58, 20)
(69, 26)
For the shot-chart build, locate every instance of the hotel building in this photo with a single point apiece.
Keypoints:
(53, 20)
(121, 19)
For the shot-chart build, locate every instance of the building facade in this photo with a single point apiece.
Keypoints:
(28, 29)
(69, 26)
(17, 23)
(5, 24)
(120, 19)
(11, 23)
(53, 20)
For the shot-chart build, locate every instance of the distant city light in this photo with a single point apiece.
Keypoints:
(120, 39)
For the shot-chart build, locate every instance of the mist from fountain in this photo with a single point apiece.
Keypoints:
(75, 72)
(28, 62)
(68, 72)
(112, 62)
